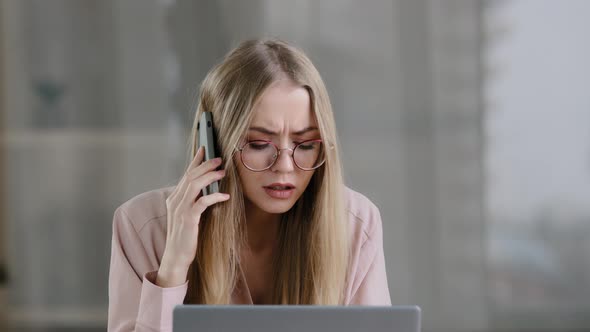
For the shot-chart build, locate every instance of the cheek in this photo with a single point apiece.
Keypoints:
(303, 179)
(248, 179)
(307, 175)
(240, 168)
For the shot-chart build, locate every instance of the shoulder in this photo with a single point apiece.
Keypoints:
(139, 232)
(139, 226)
(363, 215)
(146, 208)
(366, 238)
(139, 229)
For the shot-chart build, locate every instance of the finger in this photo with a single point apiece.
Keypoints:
(198, 159)
(208, 166)
(180, 189)
(206, 201)
(205, 167)
(196, 186)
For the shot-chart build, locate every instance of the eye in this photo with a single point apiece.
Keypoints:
(258, 145)
(308, 146)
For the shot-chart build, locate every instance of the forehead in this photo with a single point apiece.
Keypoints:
(282, 105)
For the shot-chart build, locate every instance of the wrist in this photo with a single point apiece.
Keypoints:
(171, 275)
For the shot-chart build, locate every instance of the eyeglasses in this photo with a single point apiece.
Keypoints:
(260, 155)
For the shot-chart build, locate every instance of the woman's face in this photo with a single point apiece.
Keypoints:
(283, 110)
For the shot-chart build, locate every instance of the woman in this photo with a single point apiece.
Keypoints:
(282, 230)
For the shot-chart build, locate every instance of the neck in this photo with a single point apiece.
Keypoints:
(262, 228)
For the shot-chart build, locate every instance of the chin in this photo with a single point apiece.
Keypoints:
(276, 206)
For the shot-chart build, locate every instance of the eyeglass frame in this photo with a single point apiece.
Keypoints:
(279, 150)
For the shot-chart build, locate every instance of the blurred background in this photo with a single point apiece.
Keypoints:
(477, 114)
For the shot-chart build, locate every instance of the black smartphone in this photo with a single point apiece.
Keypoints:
(207, 139)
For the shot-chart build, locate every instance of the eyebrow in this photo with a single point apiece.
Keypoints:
(269, 132)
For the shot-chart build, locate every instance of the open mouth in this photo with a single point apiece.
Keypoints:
(280, 187)
(280, 190)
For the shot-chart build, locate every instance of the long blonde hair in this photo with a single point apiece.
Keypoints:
(311, 263)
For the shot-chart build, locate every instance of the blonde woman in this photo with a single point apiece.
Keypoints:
(282, 230)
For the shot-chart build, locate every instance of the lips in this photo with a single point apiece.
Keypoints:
(280, 186)
(280, 191)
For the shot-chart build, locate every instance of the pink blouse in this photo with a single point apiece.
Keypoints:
(139, 237)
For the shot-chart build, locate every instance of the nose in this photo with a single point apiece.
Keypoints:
(284, 162)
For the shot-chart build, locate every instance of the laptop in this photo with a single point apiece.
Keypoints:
(292, 318)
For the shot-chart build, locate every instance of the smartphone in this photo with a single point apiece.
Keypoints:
(207, 139)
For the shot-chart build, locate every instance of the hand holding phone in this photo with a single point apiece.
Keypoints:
(185, 205)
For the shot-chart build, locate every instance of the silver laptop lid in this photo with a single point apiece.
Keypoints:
(285, 318)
